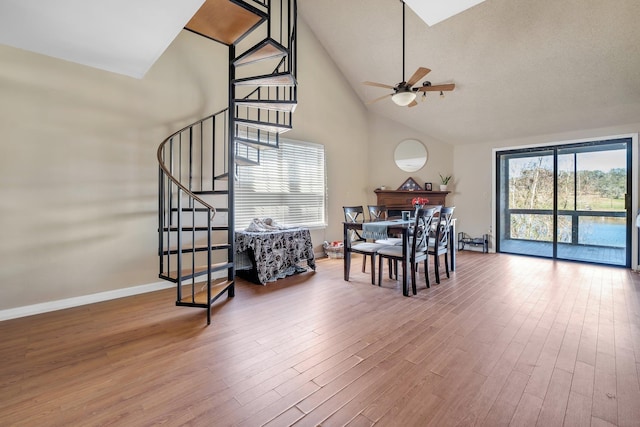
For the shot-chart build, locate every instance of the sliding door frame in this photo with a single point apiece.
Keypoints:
(634, 186)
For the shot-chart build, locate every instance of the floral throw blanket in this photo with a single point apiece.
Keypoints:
(275, 254)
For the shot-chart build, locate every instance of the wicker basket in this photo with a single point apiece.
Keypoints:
(334, 251)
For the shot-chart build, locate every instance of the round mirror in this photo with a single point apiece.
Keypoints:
(410, 155)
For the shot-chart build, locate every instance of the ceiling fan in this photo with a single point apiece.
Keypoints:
(404, 94)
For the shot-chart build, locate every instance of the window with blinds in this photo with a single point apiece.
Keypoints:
(289, 186)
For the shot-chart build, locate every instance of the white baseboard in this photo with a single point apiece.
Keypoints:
(30, 310)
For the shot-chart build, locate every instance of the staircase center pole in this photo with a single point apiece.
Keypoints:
(231, 164)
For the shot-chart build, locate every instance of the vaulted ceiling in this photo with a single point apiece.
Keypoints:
(521, 67)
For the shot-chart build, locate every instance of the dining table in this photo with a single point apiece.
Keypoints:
(380, 229)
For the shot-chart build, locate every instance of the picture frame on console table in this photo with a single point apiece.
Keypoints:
(410, 185)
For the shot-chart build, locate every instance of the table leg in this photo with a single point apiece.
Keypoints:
(347, 253)
(405, 254)
(453, 244)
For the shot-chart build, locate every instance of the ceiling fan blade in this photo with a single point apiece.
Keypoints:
(378, 99)
(378, 85)
(420, 73)
(413, 104)
(437, 88)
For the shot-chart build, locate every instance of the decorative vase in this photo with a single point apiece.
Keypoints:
(443, 187)
(417, 207)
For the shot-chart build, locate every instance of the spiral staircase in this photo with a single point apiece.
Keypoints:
(198, 163)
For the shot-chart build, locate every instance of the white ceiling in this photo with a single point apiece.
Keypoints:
(122, 36)
(521, 67)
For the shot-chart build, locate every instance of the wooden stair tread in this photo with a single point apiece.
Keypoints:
(199, 248)
(197, 228)
(211, 192)
(243, 161)
(266, 126)
(257, 144)
(217, 286)
(199, 209)
(199, 270)
(237, 22)
(266, 49)
(286, 106)
(278, 79)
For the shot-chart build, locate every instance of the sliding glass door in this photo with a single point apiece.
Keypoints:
(566, 202)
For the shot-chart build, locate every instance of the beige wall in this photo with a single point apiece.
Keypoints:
(384, 136)
(473, 182)
(78, 175)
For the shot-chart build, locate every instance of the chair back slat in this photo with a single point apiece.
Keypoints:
(377, 212)
(354, 214)
(422, 227)
(444, 226)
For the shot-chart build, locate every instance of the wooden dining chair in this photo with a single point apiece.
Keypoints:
(439, 244)
(417, 251)
(359, 244)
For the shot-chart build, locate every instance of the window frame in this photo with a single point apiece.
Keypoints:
(277, 170)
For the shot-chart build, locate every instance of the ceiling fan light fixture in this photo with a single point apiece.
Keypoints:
(404, 94)
(403, 97)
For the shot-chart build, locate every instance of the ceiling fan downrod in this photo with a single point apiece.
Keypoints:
(403, 43)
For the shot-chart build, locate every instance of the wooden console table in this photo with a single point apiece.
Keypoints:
(400, 200)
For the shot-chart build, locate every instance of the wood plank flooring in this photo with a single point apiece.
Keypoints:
(507, 340)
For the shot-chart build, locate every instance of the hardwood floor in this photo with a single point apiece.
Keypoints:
(507, 340)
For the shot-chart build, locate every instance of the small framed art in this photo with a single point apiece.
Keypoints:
(428, 186)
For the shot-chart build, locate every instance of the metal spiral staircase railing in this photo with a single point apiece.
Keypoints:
(196, 184)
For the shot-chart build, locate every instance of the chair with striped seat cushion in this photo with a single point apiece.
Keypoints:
(417, 252)
(439, 245)
(359, 244)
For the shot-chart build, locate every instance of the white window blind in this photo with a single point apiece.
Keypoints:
(288, 186)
